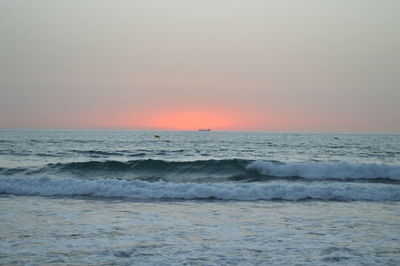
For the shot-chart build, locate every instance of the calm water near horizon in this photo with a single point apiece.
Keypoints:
(80, 197)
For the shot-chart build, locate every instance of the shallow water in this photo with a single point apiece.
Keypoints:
(93, 231)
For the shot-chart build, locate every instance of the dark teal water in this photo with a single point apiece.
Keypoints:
(200, 165)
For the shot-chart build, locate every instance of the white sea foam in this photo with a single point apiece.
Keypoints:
(327, 170)
(46, 186)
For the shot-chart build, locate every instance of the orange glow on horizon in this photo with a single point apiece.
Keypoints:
(192, 119)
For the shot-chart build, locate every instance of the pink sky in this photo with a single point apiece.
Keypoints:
(279, 65)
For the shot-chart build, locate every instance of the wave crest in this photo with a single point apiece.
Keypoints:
(163, 170)
(46, 186)
(215, 170)
(326, 170)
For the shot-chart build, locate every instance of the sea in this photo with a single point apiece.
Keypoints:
(124, 197)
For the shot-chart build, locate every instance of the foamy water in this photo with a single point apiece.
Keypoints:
(65, 231)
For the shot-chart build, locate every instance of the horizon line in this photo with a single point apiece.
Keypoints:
(196, 130)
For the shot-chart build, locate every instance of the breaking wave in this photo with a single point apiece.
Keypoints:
(141, 190)
(215, 170)
(327, 170)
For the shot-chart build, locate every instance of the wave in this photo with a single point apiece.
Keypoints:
(327, 170)
(124, 153)
(217, 170)
(141, 190)
(97, 153)
(157, 169)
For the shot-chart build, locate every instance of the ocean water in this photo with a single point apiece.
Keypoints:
(198, 198)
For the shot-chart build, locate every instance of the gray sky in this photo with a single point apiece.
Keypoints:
(281, 65)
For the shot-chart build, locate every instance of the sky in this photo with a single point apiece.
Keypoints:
(259, 65)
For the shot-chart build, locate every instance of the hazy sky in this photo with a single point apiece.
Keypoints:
(278, 65)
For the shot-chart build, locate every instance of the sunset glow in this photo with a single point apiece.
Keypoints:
(184, 65)
(175, 132)
(191, 119)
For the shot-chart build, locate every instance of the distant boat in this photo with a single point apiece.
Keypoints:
(205, 129)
